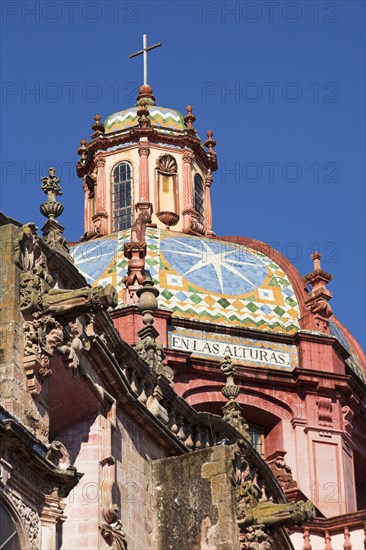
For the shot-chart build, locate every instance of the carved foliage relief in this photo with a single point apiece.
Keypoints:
(257, 512)
(51, 315)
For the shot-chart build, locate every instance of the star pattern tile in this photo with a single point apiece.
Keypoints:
(198, 278)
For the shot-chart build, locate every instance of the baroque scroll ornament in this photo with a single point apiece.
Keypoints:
(112, 530)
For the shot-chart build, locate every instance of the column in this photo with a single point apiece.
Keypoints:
(188, 210)
(87, 213)
(50, 516)
(208, 207)
(100, 218)
(144, 184)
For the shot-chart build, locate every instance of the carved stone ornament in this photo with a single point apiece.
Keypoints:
(256, 537)
(232, 414)
(324, 411)
(97, 126)
(138, 229)
(282, 471)
(51, 313)
(135, 252)
(256, 511)
(148, 347)
(168, 218)
(167, 164)
(112, 530)
(58, 455)
(197, 227)
(29, 517)
(110, 527)
(34, 279)
(348, 415)
(319, 296)
(51, 209)
(93, 232)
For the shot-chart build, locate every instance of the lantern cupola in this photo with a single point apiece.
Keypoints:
(147, 158)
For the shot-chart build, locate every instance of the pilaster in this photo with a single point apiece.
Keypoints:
(144, 187)
(100, 218)
(208, 209)
(188, 209)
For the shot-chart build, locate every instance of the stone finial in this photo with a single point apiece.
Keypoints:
(146, 92)
(210, 142)
(98, 126)
(51, 186)
(319, 295)
(82, 151)
(318, 277)
(148, 347)
(232, 412)
(148, 303)
(189, 119)
(316, 256)
(230, 390)
(51, 209)
(143, 115)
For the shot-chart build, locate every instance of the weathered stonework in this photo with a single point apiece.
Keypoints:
(233, 502)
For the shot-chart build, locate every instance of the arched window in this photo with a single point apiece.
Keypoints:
(9, 539)
(257, 436)
(121, 196)
(199, 197)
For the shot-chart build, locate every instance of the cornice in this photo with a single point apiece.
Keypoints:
(32, 450)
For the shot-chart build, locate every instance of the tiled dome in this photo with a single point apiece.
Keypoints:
(161, 117)
(207, 280)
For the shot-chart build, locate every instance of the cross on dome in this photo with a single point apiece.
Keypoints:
(145, 49)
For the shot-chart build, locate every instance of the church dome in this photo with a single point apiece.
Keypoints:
(202, 279)
(162, 117)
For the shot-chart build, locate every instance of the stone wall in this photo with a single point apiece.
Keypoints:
(133, 450)
(15, 397)
(135, 482)
(195, 501)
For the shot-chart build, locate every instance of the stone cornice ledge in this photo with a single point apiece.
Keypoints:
(16, 436)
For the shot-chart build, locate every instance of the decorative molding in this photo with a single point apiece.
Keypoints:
(58, 455)
(188, 157)
(29, 517)
(166, 164)
(348, 415)
(256, 507)
(111, 527)
(318, 297)
(324, 411)
(112, 530)
(144, 148)
(281, 470)
(43, 306)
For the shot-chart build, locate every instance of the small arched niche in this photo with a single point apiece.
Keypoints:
(167, 187)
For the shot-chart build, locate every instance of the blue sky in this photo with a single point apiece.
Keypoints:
(281, 84)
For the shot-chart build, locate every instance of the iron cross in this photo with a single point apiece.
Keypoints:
(144, 51)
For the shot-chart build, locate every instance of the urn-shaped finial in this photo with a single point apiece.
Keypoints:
(51, 209)
(147, 303)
